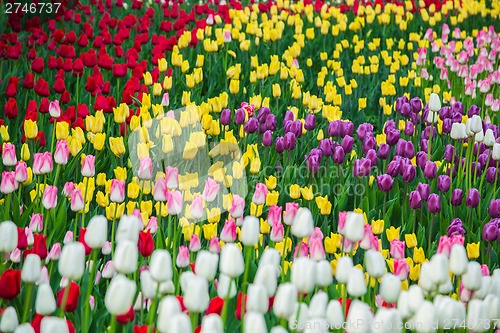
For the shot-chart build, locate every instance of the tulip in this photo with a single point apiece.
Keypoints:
(360, 317)
(49, 199)
(397, 249)
(61, 155)
(231, 261)
(97, 231)
(125, 257)
(31, 268)
(182, 259)
(344, 268)
(72, 262)
(9, 183)
(260, 194)
(473, 198)
(317, 305)
(356, 285)
(257, 299)
(88, 166)
(434, 103)
(128, 229)
(174, 199)
(471, 279)
(9, 155)
(255, 322)
(160, 266)
(45, 303)
(9, 320)
(168, 308)
(24, 328)
(303, 274)
(55, 109)
(334, 314)
(458, 260)
(302, 224)
(250, 231)
(374, 264)
(384, 182)
(477, 316)
(291, 209)
(386, 321)
(145, 171)
(117, 191)
(119, 295)
(8, 236)
(196, 297)
(495, 154)
(194, 243)
(226, 287)
(434, 203)
(354, 227)
(299, 316)
(21, 173)
(42, 163)
(210, 190)
(284, 300)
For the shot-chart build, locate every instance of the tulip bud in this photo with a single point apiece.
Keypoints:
(72, 262)
(231, 261)
(54, 325)
(317, 305)
(334, 314)
(161, 266)
(304, 274)
(374, 264)
(45, 302)
(354, 226)
(472, 277)
(323, 273)
(458, 260)
(255, 322)
(24, 328)
(250, 231)
(439, 268)
(458, 131)
(343, 270)
(477, 316)
(226, 287)
(257, 299)
(168, 308)
(387, 321)
(360, 317)
(212, 323)
(8, 236)
(31, 268)
(356, 284)
(9, 320)
(126, 257)
(476, 124)
(434, 103)
(196, 297)
(303, 223)
(495, 154)
(206, 264)
(284, 300)
(120, 295)
(424, 319)
(128, 229)
(97, 232)
(390, 287)
(266, 276)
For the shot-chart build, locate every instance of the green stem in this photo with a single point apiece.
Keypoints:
(86, 322)
(27, 303)
(113, 227)
(64, 300)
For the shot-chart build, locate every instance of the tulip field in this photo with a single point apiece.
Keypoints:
(175, 166)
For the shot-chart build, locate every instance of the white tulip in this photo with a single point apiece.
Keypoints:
(424, 320)
(45, 302)
(439, 267)
(489, 138)
(458, 131)
(478, 316)
(495, 154)
(31, 268)
(286, 297)
(415, 298)
(97, 232)
(458, 260)
(161, 266)
(212, 323)
(169, 307)
(390, 287)
(298, 319)
(360, 318)
(335, 314)
(250, 231)
(257, 299)
(180, 323)
(255, 322)
(387, 321)
(317, 305)
(304, 274)
(472, 277)
(267, 276)
(231, 261)
(72, 261)
(324, 275)
(149, 287)
(196, 296)
(128, 229)
(126, 257)
(303, 223)
(375, 264)
(9, 320)
(476, 124)
(8, 236)
(425, 281)
(120, 295)
(206, 264)
(24, 328)
(356, 284)
(434, 103)
(226, 288)
(54, 325)
(343, 269)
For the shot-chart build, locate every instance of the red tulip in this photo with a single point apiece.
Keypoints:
(145, 243)
(143, 329)
(10, 108)
(59, 86)
(10, 284)
(65, 97)
(241, 298)
(42, 88)
(72, 300)
(44, 106)
(37, 65)
(39, 246)
(119, 70)
(22, 239)
(127, 317)
(29, 81)
(215, 306)
(81, 239)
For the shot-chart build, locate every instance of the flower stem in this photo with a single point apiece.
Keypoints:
(27, 303)
(64, 300)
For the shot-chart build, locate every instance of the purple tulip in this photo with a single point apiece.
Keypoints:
(400, 147)
(424, 145)
(456, 117)
(262, 128)
(445, 113)
(494, 208)
(313, 162)
(409, 172)
(473, 198)
(369, 143)
(288, 116)
(447, 125)
(338, 155)
(434, 203)
(334, 128)
(363, 129)
(427, 132)
(457, 197)
(389, 125)
(448, 153)
(326, 146)
(225, 117)
(490, 232)
(430, 170)
(267, 138)
(483, 159)
(384, 182)
(263, 113)
(473, 110)
(409, 150)
(251, 126)
(443, 183)
(383, 151)
(424, 190)
(287, 126)
(290, 141)
(297, 128)
(239, 117)
(456, 227)
(393, 168)
(347, 128)
(310, 122)
(491, 175)
(415, 200)
(372, 156)
(409, 128)
(400, 101)
(347, 143)
(416, 118)
(421, 159)
(406, 109)
(458, 107)
(362, 167)
(271, 122)
(280, 144)
(416, 105)
(476, 169)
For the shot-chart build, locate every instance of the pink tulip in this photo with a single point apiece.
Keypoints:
(194, 243)
(76, 198)
(237, 207)
(260, 194)
(445, 245)
(174, 202)
(375, 244)
(172, 175)
(54, 109)
(228, 233)
(366, 242)
(485, 271)
(21, 172)
(317, 250)
(401, 269)
(197, 207)
(92, 300)
(68, 189)
(316, 234)
(165, 100)
(68, 237)
(88, 166)
(457, 239)
(145, 169)
(211, 189)
(277, 232)
(348, 245)
(55, 252)
(9, 155)
(170, 114)
(106, 248)
(274, 214)
(61, 155)
(42, 163)
(301, 250)
(117, 191)
(342, 219)
(36, 222)
(9, 183)
(29, 236)
(160, 190)
(397, 249)
(182, 260)
(15, 256)
(49, 199)
(152, 225)
(214, 245)
(291, 209)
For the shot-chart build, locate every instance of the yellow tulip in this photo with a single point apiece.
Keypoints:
(30, 130)
(99, 140)
(62, 130)
(418, 255)
(473, 250)
(115, 211)
(392, 233)
(25, 152)
(162, 65)
(411, 240)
